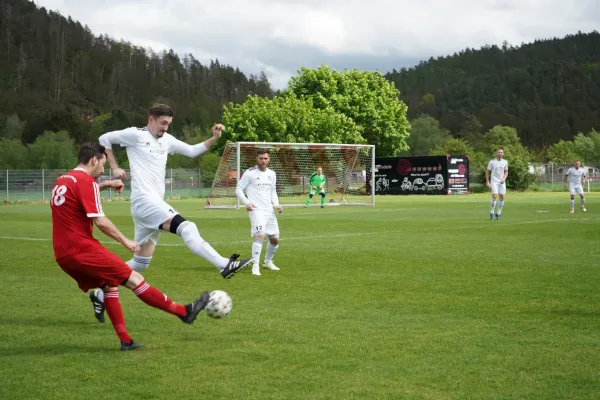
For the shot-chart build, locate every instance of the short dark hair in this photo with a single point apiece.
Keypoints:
(160, 110)
(262, 151)
(90, 150)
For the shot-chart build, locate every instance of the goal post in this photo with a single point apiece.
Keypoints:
(348, 169)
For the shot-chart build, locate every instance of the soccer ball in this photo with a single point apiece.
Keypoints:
(219, 304)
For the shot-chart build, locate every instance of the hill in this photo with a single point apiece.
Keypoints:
(548, 90)
(55, 74)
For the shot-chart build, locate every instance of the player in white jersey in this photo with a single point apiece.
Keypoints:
(495, 179)
(575, 176)
(147, 150)
(259, 182)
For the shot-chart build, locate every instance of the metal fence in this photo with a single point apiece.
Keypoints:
(549, 177)
(36, 185)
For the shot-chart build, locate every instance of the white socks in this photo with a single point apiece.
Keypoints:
(582, 201)
(573, 203)
(190, 235)
(256, 250)
(271, 249)
(139, 263)
(493, 204)
(500, 205)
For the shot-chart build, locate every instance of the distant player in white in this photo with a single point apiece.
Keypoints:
(575, 176)
(495, 179)
(147, 150)
(259, 182)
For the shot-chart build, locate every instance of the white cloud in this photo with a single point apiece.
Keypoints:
(280, 36)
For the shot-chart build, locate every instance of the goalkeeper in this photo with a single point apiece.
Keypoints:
(317, 182)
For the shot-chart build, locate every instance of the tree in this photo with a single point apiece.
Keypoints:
(13, 154)
(506, 138)
(587, 146)
(366, 98)
(562, 152)
(425, 134)
(286, 119)
(471, 131)
(452, 146)
(53, 150)
(13, 128)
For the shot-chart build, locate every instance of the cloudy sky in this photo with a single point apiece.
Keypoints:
(280, 36)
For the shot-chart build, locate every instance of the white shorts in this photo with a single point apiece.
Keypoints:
(498, 188)
(148, 215)
(263, 222)
(578, 189)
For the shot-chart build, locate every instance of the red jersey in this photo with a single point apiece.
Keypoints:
(75, 201)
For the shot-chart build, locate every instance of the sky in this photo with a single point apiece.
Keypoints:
(279, 37)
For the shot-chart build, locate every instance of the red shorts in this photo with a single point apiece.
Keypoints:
(95, 268)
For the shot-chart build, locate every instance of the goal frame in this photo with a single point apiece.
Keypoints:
(342, 202)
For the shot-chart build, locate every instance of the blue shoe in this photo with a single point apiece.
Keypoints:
(491, 217)
(497, 217)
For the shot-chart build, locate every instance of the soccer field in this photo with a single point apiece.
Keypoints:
(419, 297)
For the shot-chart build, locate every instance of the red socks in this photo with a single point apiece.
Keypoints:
(115, 313)
(155, 298)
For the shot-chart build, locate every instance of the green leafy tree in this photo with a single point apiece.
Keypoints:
(367, 98)
(53, 150)
(452, 146)
(99, 126)
(506, 138)
(13, 154)
(286, 119)
(563, 152)
(587, 146)
(425, 134)
(471, 131)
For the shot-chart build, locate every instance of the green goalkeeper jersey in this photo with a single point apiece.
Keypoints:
(317, 180)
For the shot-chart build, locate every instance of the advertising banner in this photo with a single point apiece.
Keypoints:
(422, 175)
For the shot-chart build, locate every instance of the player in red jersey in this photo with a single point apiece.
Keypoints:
(76, 207)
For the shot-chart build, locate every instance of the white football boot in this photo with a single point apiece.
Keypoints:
(271, 266)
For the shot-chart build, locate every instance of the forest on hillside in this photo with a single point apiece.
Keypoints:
(61, 85)
(548, 90)
(55, 74)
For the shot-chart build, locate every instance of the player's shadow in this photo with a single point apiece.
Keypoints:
(575, 313)
(44, 322)
(53, 349)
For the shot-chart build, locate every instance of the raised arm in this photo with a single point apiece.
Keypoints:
(188, 150)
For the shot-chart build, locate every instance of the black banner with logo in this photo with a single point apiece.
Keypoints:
(458, 175)
(422, 175)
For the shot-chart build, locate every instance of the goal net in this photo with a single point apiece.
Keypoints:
(348, 170)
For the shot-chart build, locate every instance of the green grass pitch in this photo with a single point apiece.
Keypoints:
(416, 298)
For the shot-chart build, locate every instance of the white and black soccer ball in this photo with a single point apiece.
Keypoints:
(219, 304)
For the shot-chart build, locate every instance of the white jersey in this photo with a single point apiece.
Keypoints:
(575, 176)
(260, 186)
(497, 167)
(148, 157)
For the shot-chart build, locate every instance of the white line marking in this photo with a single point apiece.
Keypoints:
(444, 228)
